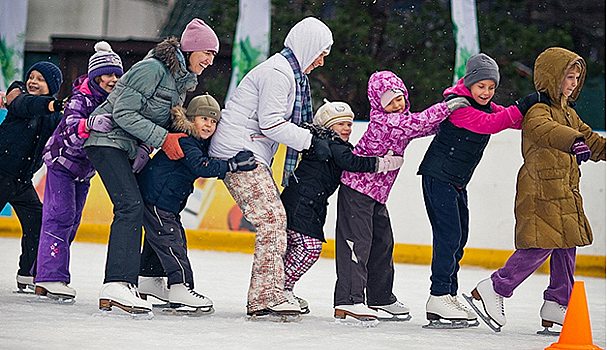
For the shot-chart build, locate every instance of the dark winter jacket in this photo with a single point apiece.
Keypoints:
(305, 199)
(27, 127)
(166, 183)
(64, 148)
(461, 140)
(142, 99)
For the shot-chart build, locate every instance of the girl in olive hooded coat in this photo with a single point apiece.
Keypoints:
(550, 219)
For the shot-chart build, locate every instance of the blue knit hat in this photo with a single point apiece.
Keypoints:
(104, 61)
(50, 72)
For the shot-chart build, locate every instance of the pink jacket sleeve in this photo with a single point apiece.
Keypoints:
(481, 122)
(423, 123)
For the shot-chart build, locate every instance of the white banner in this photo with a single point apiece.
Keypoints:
(252, 39)
(465, 30)
(13, 19)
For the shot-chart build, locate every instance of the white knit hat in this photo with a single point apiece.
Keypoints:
(332, 113)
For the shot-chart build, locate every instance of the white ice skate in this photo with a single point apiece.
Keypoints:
(303, 303)
(25, 284)
(472, 317)
(364, 315)
(396, 311)
(493, 304)
(185, 301)
(444, 313)
(126, 297)
(156, 287)
(551, 313)
(58, 292)
(288, 311)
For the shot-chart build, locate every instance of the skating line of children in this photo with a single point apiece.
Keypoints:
(74, 144)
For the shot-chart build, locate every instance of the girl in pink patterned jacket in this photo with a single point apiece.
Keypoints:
(363, 237)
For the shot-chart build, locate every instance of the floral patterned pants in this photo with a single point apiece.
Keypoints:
(258, 197)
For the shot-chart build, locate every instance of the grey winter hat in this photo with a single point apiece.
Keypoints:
(481, 67)
(204, 105)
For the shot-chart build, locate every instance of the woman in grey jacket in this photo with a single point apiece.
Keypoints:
(265, 110)
(140, 107)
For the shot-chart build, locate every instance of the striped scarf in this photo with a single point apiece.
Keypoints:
(302, 111)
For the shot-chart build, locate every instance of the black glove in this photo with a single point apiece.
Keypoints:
(319, 148)
(523, 104)
(242, 161)
(17, 85)
(58, 105)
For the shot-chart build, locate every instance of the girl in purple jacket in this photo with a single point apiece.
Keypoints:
(363, 236)
(69, 172)
(446, 170)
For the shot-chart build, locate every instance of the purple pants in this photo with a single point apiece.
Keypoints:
(61, 213)
(523, 262)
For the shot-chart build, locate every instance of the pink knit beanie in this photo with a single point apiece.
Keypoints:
(198, 36)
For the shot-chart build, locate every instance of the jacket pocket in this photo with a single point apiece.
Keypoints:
(553, 184)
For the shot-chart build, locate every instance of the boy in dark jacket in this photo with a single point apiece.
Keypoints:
(305, 199)
(31, 119)
(165, 186)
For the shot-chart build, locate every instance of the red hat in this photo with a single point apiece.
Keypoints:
(198, 36)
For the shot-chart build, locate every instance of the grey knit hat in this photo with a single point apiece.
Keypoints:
(204, 105)
(481, 67)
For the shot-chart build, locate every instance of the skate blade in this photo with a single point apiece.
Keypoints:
(483, 316)
(548, 331)
(474, 323)
(124, 314)
(52, 299)
(271, 316)
(446, 324)
(366, 322)
(188, 311)
(24, 291)
(395, 318)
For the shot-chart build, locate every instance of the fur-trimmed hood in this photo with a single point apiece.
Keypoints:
(167, 52)
(181, 123)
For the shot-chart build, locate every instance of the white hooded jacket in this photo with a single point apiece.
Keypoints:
(257, 117)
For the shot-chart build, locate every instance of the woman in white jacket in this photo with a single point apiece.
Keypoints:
(264, 111)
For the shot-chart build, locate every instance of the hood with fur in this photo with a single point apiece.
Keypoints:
(181, 123)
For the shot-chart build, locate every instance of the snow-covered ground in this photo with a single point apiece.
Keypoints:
(224, 278)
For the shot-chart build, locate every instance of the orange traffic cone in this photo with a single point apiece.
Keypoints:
(576, 332)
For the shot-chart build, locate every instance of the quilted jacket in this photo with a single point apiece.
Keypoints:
(549, 212)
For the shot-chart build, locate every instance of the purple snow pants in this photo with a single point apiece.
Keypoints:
(61, 213)
(523, 262)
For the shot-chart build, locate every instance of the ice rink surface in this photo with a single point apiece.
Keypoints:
(224, 278)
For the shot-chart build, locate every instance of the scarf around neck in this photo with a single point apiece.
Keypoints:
(302, 111)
